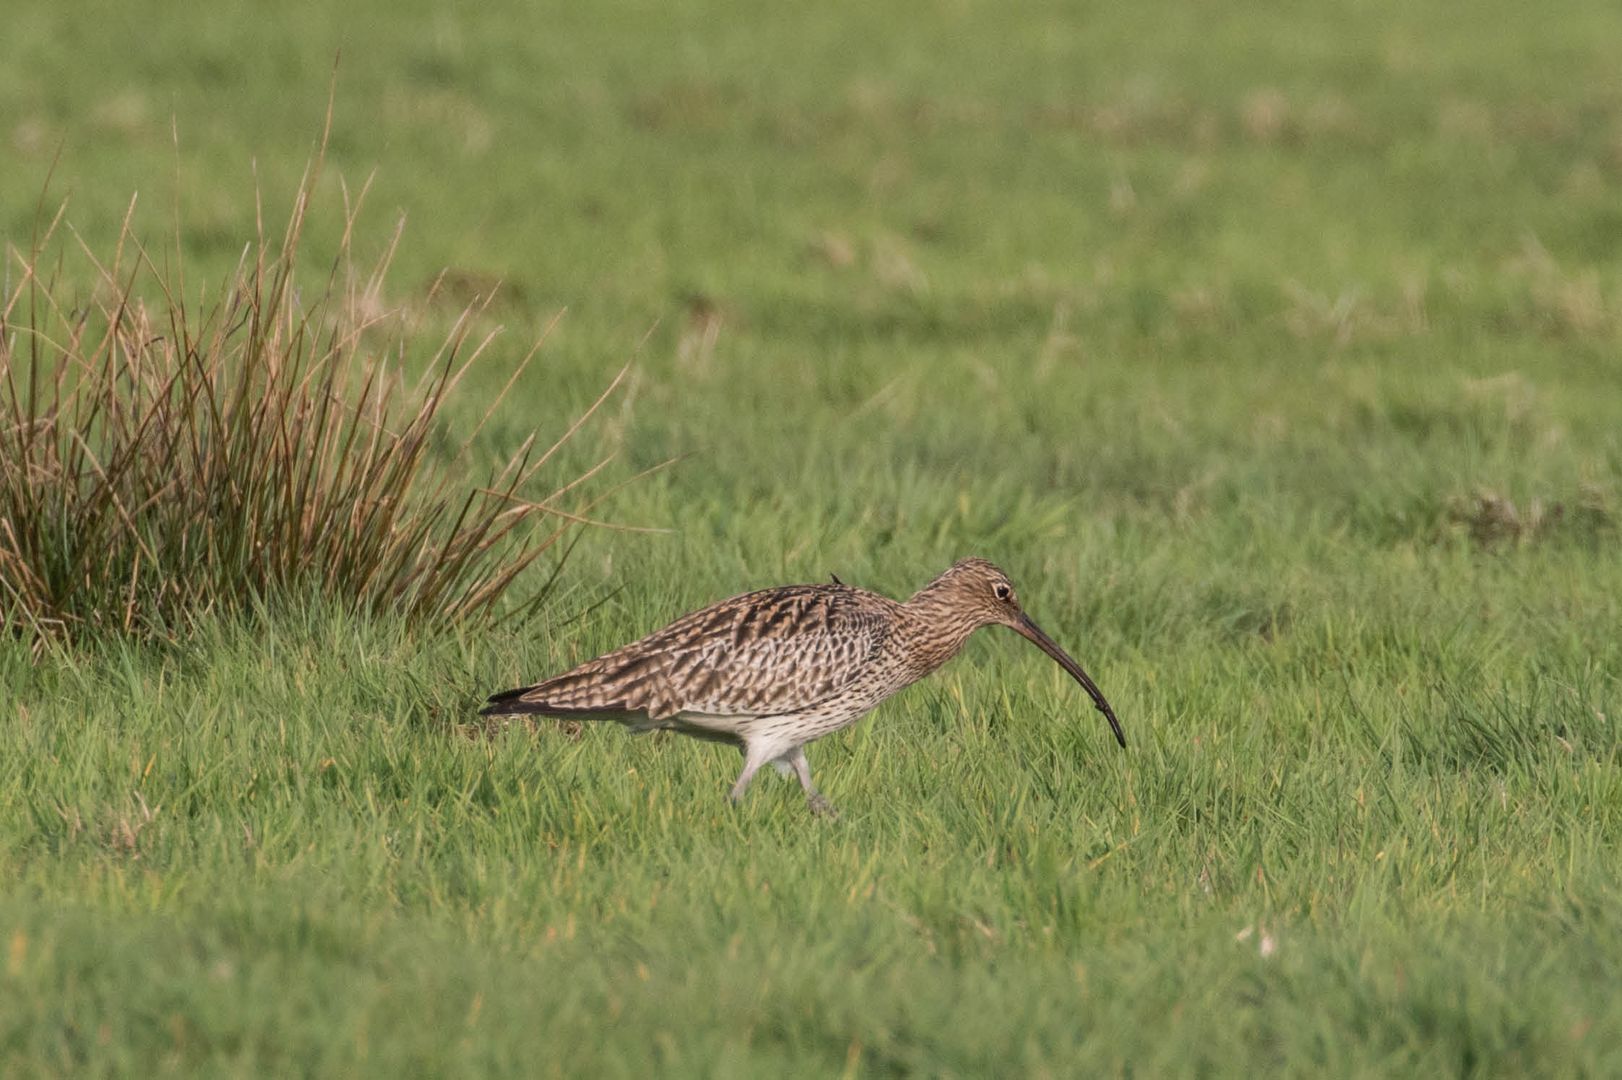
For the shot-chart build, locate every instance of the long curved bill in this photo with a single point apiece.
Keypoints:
(1034, 633)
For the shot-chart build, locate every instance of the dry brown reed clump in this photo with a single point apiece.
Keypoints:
(160, 460)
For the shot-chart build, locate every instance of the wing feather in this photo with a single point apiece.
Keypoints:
(760, 654)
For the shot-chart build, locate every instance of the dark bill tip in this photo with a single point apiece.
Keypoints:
(1034, 634)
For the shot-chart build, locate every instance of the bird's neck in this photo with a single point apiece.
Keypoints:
(939, 628)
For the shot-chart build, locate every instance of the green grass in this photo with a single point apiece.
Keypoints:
(1274, 352)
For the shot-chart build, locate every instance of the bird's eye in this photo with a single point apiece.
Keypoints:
(1002, 591)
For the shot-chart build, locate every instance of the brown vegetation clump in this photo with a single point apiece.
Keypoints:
(1491, 519)
(160, 459)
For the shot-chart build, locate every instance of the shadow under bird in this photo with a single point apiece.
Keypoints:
(770, 671)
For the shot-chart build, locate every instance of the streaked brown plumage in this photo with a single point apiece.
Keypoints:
(770, 671)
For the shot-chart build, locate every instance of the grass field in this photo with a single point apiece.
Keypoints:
(1275, 351)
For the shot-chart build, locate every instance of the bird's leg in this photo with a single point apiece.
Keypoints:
(754, 756)
(820, 806)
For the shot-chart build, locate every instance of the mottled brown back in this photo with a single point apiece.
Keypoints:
(760, 654)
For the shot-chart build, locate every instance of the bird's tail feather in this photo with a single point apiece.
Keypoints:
(514, 703)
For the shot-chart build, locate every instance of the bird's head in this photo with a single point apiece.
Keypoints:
(974, 592)
(978, 592)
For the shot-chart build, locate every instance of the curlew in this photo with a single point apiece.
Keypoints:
(770, 671)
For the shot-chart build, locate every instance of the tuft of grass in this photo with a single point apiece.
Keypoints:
(160, 460)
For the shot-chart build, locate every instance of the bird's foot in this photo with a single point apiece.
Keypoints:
(821, 807)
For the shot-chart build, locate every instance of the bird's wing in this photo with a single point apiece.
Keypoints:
(759, 654)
